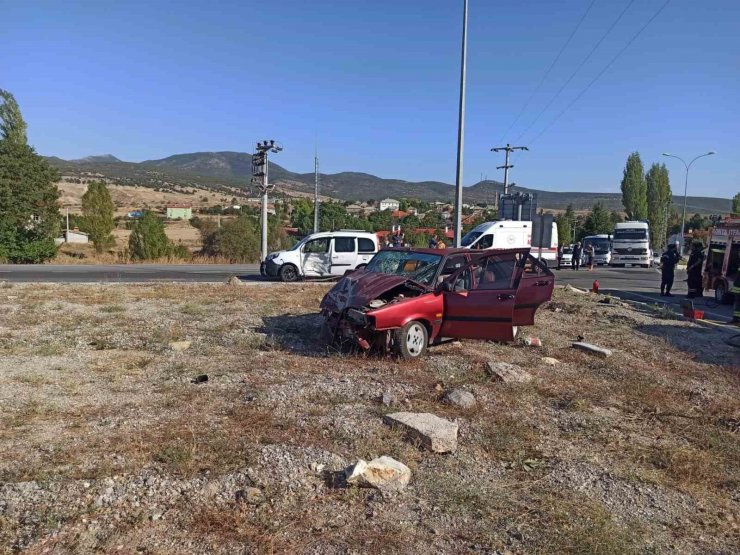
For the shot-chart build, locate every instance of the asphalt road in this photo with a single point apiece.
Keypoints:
(639, 284)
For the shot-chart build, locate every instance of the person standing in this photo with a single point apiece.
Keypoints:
(433, 241)
(560, 255)
(575, 262)
(590, 254)
(668, 262)
(694, 268)
(735, 290)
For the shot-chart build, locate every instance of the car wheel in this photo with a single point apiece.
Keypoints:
(411, 340)
(720, 293)
(288, 273)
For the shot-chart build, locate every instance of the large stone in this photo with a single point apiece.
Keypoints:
(549, 361)
(460, 398)
(180, 345)
(383, 473)
(434, 433)
(507, 373)
(593, 349)
(572, 289)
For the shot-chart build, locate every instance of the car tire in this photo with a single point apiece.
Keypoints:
(288, 273)
(720, 293)
(410, 341)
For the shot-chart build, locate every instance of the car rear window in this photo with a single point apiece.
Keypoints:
(365, 245)
(344, 244)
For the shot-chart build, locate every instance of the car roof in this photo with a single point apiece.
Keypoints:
(342, 232)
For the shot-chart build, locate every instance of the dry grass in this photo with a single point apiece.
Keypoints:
(611, 455)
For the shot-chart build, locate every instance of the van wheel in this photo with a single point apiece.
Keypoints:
(720, 293)
(411, 340)
(288, 273)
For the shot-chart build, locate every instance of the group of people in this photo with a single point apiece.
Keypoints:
(399, 240)
(577, 256)
(694, 268)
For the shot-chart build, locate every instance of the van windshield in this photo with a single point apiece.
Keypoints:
(470, 238)
(601, 244)
(420, 267)
(631, 234)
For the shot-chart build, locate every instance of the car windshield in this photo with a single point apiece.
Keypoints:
(568, 250)
(470, 238)
(630, 234)
(421, 267)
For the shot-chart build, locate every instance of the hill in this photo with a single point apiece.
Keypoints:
(229, 172)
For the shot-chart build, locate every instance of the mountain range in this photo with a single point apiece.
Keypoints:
(231, 171)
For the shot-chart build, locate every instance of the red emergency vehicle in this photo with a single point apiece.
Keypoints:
(723, 259)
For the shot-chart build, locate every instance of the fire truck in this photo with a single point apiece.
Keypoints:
(723, 259)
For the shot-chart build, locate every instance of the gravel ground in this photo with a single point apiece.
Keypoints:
(107, 444)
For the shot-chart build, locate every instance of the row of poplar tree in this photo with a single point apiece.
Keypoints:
(647, 196)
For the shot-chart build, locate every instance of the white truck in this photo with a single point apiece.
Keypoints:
(602, 248)
(325, 254)
(509, 234)
(631, 244)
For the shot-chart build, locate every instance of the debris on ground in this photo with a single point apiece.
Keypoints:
(388, 399)
(234, 281)
(384, 473)
(532, 341)
(460, 398)
(434, 433)
(507, 373)
(568, 287)
(202, 378)
(250, 495)
(593, 349)
(550, 361)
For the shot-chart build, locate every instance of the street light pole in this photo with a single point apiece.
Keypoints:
(685, 190)
(461, 130)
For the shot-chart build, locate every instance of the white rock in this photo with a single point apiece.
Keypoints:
(180, 345)
(434, 433)
(572, 289)
(460, 398)
(549, 361)
(388, 399)
(383, 473)
(593, 349)
(507, 373)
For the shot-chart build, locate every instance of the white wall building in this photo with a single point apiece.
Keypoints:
(389, 204)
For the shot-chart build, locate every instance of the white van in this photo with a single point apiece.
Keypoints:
(325, 254)
(508, 234)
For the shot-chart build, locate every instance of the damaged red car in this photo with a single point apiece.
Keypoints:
(408, 299)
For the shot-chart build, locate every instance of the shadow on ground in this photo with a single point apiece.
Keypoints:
(297, 333)
(702, 344)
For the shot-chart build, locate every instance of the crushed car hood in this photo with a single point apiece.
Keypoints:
(361, 287)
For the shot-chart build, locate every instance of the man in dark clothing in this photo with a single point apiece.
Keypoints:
(433, 242)
(560, 255)
(667, 269)
(735, 290)
(575, 262)
(694, 268)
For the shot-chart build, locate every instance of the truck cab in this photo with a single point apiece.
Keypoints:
(723, 259)
(631, 244)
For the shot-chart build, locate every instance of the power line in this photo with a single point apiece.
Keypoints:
(603, 71)
(583, 63)
(547, 73)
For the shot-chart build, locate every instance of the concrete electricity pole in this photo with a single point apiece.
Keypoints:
(508, 148)
(461, 131)
(316, 192)
(260, 170)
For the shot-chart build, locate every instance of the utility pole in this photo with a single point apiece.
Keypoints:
(260, 170)
(316, 192)
(461, 130)
(508, 149)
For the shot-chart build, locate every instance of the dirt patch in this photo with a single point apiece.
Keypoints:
(107, 444)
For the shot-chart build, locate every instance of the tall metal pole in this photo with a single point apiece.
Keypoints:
(685, 192)
(316, 192)
(461, 130)
(263, 250)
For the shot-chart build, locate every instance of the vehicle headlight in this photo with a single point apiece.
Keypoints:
(273, 255)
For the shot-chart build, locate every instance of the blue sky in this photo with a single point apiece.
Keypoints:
(376, 81)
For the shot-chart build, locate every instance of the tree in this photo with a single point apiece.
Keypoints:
(12, 124)
(634, 188)
(148, 240)
(564, 222)
(598, 221)
(659, 199)
(97, 211)
(433, 219)
(29, 214)
(736, 205)
(239, 240)
(411, 222)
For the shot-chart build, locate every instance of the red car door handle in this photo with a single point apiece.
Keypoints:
(541, 283)
(505, 297)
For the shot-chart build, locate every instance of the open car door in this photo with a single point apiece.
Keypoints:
(535, 288)
(479, 300)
